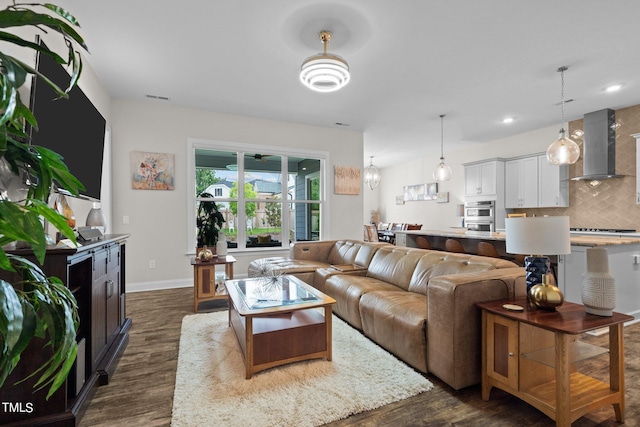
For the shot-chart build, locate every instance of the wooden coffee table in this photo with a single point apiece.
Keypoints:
(278, 321)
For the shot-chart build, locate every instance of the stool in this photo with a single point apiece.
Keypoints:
(487, 249)
(453, 245)
(422, 242)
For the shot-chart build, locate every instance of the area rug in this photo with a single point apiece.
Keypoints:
(211, 388)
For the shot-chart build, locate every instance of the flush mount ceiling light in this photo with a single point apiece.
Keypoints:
(371, 175)
(563, 151)
(325, 72)
(442, 172)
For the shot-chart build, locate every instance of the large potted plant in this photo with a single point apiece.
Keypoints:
(33, 308)
(209, 223)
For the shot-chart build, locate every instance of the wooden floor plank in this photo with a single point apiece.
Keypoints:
(141, 391)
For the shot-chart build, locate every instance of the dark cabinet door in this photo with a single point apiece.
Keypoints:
(99, 307)
(113, 294)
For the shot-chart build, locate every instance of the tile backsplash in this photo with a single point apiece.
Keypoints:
(612, 204)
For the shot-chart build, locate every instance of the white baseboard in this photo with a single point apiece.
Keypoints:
(159, 285)
(165, 284)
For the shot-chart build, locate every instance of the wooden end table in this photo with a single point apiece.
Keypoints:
(533, 355)
(204, 278)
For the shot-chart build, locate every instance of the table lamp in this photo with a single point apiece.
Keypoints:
(537, 237)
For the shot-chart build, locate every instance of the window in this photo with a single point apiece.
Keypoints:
(268, 197)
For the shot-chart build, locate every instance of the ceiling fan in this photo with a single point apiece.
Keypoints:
(260, 157)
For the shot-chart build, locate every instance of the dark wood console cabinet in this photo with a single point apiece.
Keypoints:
(95, 273)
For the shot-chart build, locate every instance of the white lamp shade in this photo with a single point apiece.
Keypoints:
(548, 235)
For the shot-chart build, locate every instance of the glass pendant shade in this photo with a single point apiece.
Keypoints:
(442, 172)
(371, 175)
(325, 72)
(563, 151)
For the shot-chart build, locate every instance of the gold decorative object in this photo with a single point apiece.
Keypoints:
(546, 295)
(205, 254)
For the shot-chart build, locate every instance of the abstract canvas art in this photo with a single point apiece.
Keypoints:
(152, 171)
(347, 180)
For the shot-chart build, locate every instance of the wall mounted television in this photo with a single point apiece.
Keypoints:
(71, 127)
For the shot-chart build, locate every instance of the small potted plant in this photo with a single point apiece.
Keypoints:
(209, 222)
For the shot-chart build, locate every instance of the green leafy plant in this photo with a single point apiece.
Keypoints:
(33, 306)
(208, 221)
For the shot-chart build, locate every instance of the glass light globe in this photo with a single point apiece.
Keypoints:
(442, 172)
(371, 176)
(563, 151)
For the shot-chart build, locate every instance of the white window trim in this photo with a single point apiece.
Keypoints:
(196, 143)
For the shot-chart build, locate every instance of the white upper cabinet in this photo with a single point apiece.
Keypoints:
(521, 183)
(553, 184)
(481, 179)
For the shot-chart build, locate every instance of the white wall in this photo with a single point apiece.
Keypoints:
(158, 218)
(418, 171)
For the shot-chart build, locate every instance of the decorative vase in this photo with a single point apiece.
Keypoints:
(546, 295)
(205, 254)
(221, 246)
(63, 208)
(598, 286)
(536, 267)
(96, 218)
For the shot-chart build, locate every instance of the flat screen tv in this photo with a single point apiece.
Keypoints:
(71, 127)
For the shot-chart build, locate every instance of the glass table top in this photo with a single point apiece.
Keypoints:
(268, 292)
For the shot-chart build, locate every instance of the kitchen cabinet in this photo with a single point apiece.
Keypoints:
(553, 184)
(531, 182)
(484, 178)
(521, 183)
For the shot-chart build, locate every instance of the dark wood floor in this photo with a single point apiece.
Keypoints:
(141, 391)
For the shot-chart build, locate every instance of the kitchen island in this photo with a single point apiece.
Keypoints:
(623, 249)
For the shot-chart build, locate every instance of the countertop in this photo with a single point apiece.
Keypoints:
(610, 239)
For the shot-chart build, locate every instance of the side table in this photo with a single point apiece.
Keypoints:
(204, 278)
(534, 355)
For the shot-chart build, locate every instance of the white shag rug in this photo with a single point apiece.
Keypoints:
(211, 388)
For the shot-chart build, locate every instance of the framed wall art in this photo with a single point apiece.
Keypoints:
(152, 171)
(347, 180)
(418, 192)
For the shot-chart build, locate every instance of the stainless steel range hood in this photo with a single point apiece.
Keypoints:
(599, 146)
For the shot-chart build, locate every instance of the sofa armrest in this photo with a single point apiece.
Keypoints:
(311, 251)
(453, 320)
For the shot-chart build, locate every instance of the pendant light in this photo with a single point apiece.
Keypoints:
(325, 72)
(564, 151)
(371, 175)
(442, 172)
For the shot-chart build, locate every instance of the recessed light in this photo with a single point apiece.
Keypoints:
(613, 88)
(507, 120)
(342, 124)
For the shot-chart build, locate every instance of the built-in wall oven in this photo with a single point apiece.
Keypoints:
(480, 216)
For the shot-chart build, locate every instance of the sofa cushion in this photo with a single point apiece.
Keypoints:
(433, 265)
(395, 265)
(347, 290)
(397, 321)
(351, 252)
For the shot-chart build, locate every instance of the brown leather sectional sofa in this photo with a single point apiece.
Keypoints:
(417, 304)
